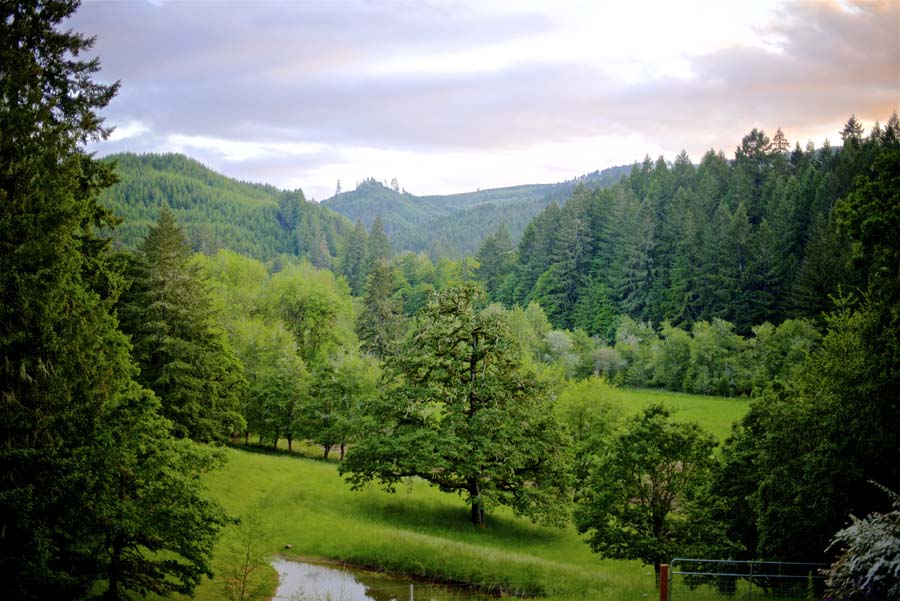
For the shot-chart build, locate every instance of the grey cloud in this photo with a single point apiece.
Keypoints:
(297, 72)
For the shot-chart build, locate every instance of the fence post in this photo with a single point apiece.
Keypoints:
(750, 591)
(664, 582)
(410, 592)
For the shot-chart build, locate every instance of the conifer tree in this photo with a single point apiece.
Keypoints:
(380, 323)
(378, 247)
(495, 256)
(184, 358)
(76, 431)
(353, 259)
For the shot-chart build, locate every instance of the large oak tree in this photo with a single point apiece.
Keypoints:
(462, 411)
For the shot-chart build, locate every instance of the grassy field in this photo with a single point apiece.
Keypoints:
(422, 532)
(714, 413)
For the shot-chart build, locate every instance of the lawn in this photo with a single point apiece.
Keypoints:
(422, 532)
(418, 531)
(714, 413)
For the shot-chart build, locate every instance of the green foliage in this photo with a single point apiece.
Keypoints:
(61, 358)
(94, 494)
(462, 412)
(495, 258)
(799, 462)
(642, 496)
(776, 354)
(747, 241)
(278, 379)
(184, 356)
(316, 308)
(160, 527)
(378, 247)
(592, 416)
(246, 555)
(715, 362)
(353, 262)
(811, 445)
(344, 387)
(380, 322)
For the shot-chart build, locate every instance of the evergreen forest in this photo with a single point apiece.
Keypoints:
(156, 317)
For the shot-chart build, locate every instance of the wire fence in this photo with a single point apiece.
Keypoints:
(718, 580)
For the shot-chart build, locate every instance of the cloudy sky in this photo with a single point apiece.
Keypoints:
(454, 96)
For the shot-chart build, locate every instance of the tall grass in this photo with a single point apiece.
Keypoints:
(424, 533)
(418, 531)
(714, 413)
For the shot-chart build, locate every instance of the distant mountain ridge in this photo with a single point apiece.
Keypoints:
(455, 224)
(263, 222)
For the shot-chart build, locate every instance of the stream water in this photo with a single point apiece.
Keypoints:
(301, 581)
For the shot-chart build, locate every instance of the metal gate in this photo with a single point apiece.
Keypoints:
(720, 580)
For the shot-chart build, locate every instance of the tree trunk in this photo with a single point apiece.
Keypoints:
(246, 438)
(342, 451)
(275, 442)
(114, 572)
(290, 441)
(327, 448)
(260, 439)
(477, 515)
(656, 564)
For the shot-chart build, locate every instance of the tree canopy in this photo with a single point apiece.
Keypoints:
(462, 411)
(184, 356)
(641, 497)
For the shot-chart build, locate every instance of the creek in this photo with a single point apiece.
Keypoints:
(303, 581)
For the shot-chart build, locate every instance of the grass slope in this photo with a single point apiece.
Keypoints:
(714, 413)
(423, 532)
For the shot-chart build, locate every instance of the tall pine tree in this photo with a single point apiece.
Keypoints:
(94, 495)
(184, 357)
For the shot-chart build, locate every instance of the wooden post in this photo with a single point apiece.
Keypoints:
(410, 592)
(664, 582)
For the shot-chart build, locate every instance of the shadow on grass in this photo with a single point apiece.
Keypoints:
(267, 449)
(403, 510)
(423, 515)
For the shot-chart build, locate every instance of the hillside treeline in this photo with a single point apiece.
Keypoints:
(747, 240)
(216, 212)
(453, 226)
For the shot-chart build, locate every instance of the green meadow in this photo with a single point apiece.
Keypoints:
(421, 532)
(714, 413)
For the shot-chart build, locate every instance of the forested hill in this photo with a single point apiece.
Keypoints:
(218, 212)
(455, 224)
(747, 240)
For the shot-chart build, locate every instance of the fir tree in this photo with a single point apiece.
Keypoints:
(495, 256)
(353, 259)
(88, 473)
(380, 323)
(378, 247)
(184, 358)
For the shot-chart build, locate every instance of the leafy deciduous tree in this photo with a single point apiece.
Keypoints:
(464, 414)
(639, 501)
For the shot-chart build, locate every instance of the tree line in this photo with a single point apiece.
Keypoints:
(218, 212)
(747, 240)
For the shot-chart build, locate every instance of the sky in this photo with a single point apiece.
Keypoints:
(462, 95)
